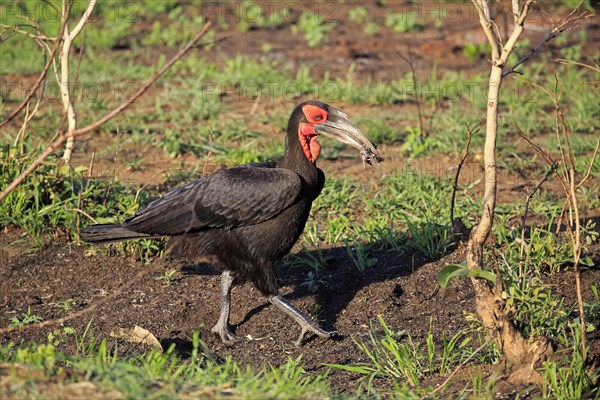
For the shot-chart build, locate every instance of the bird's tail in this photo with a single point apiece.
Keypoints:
(106, 233)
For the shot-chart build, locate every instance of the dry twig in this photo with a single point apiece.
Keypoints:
(569, 23)
(459, 168)
(58, 142)
(570, 187)
(410, 60)
(41, 78)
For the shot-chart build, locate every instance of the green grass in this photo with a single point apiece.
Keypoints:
(152, 374)
(55, 200)
(25, 319)
(314, 28)
(407, 210)
(395, 356)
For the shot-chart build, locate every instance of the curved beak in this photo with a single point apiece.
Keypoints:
(339, 127)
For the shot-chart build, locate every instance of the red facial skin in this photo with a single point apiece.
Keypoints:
(306, 131)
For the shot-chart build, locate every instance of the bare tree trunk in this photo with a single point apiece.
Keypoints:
(520, 354)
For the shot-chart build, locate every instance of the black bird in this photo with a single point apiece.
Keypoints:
(247, 217)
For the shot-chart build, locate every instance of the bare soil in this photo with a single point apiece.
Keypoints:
(402, 287)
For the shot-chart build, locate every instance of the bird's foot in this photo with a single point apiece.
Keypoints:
(311, 327)
(307, 324)
(226, 335)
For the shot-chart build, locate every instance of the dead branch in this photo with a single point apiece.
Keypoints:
(40, 78)
(552, 168)
(570, 188)
(589, 170)
(58, 142)
(16, 29)
(549, 172)
(459, 168)
(568, 23)
(64, 84)
(567, 62)
(410, 60)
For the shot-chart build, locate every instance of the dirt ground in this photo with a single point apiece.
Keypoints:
(402, 287)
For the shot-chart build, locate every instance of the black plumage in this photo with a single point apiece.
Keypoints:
(249, 216)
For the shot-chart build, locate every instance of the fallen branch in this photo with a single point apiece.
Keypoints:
(58, 142)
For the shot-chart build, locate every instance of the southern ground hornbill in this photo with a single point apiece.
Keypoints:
(247, 217)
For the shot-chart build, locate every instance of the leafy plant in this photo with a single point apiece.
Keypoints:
(167, 277)
(312, 282)
(60, 336)
(359, 254)
(158, 375)
(338, 230)
(182, 28)
(453, 270)
(315, 260)
(403, 22)
(380, 230)
(65, 305)
(251, 15)
(41, 356)
(475, 51)
(314, 28)
(26, 319)
(358, 14)
(415, 145)
(593, 309)
(569, 377)
(537, 310)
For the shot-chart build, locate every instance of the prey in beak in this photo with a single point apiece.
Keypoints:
(338, 127)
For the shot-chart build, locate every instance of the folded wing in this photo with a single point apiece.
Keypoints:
(234, 197)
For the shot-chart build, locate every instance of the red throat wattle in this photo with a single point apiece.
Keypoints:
(308, 141)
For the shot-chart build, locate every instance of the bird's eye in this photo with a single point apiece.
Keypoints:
(314, 114)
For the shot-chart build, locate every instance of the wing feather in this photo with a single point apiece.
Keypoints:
(239, 196)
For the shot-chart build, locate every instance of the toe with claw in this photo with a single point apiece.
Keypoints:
(225, 334)
(307, 324)
(314, 329)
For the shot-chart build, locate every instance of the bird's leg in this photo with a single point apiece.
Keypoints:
(222, 326)
(305, 322)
